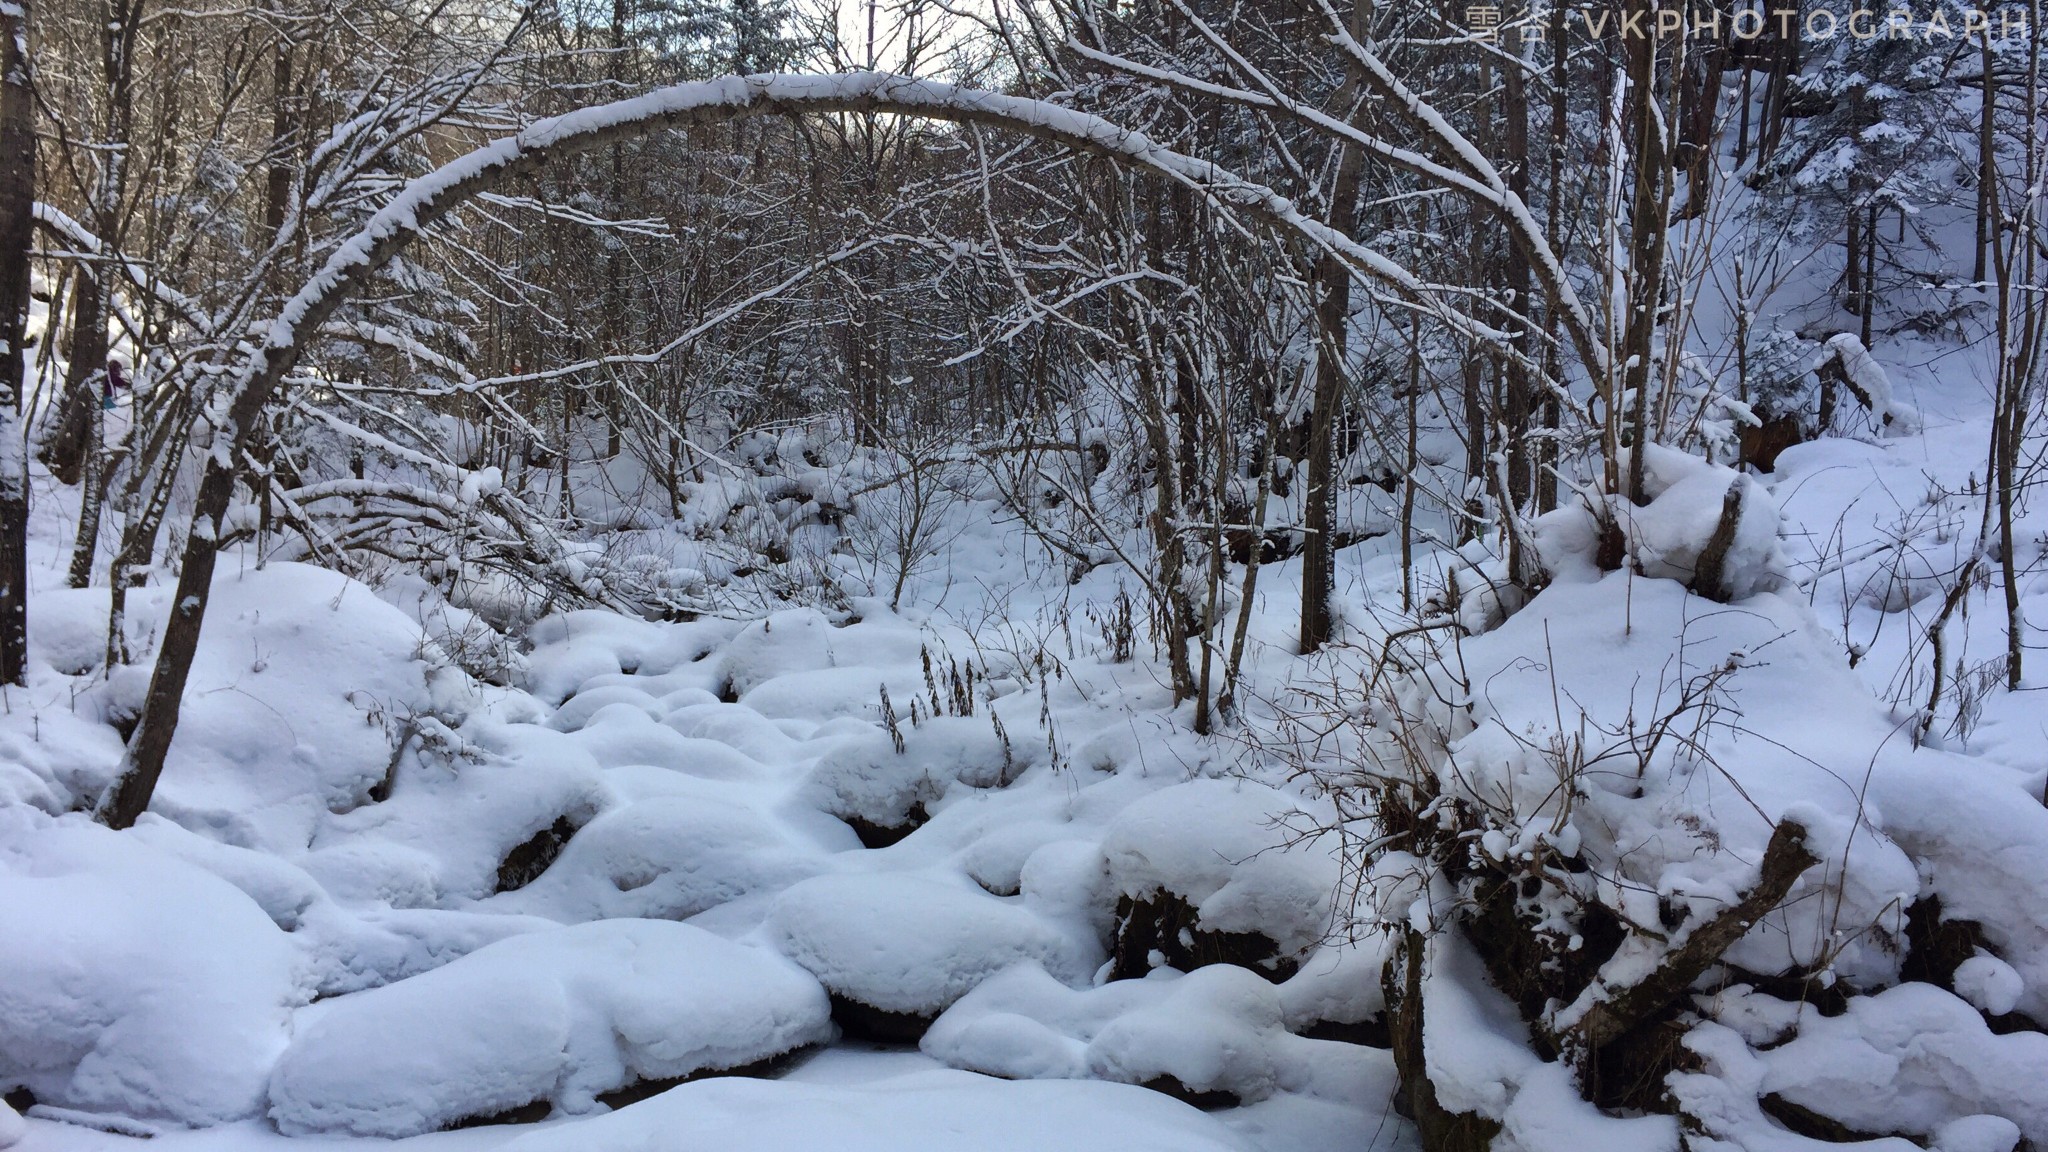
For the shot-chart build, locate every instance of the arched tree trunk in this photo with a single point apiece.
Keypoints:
(432, 197)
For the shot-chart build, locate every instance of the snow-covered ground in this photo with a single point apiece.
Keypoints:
(351, 912)
(879, 868)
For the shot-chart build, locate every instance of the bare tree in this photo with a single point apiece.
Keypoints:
(17, 228)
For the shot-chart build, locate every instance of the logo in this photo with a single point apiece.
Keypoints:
(1493, 23)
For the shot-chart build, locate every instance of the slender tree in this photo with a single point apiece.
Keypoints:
(17, 226)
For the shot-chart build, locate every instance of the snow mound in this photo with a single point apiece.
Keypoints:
(1911, 1059)
(796, 640)
(1224, 847)
(561, 1016)
(910, 944)
(1668, 537)
(13, 1129)
(446, 828)
(665, 858)
(949, 1110)
(575, 648)
(866, 781)
(301, 678)
(1986, 849)
(135, 983)
(1991, 985)
(1217, 1031)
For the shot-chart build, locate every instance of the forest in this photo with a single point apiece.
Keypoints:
(1023, 575)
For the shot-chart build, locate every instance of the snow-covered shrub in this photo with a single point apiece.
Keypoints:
(1576, 852)
(566, 1016)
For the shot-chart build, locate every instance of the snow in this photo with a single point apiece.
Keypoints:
(1911, 1059)
(667, 858)
(927, 1110)
(1218, 1029)
(307, 935)
(560, 1016)
(911, 944)
(1224, 846)
(1989, 984)
(136, 983)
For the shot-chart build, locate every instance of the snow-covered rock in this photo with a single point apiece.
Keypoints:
(909, 944)
(1911, 1059)
(134, 982)
(797, 640)
(868, 783)
(562, 1016)
(664, 858)
(1217, 1031)
(1228, 848)
(446, 829)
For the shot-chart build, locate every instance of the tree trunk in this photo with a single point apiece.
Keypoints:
(17, 223)
(64, 450)
(1648, 216)
(1333, 316)
(144, 763)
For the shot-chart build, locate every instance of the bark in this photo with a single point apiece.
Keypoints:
(63, 452)
(1621, 1010)
(1333, 318)
(91, 500)
(1318, 560)
(17, 224)
(1710, 577)
(77, 431)
(1987, 152)
(1649, 216)
(1553, 235)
